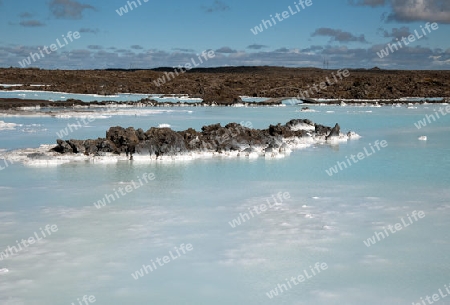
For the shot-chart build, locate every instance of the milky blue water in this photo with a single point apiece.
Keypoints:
(62, 96)
(96, 251)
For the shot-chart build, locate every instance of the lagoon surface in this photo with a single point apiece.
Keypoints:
(101, 252)
(64, 96)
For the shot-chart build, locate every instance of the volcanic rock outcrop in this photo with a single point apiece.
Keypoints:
(157, 142)
(335, 132)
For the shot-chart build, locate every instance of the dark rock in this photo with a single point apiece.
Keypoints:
(92, 146)
(124, 139)
(37, 156)
(63, 147)
(322, 130)
(76, 145)
(293, 123)
(167, 142)
(105, 146)
(161, 141)
(334, 132)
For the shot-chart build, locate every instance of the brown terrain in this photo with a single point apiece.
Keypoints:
(224, 85)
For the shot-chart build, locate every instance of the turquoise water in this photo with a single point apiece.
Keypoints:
(95, 251)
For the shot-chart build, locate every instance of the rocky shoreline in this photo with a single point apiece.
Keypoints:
(232, 140)
(21, 106)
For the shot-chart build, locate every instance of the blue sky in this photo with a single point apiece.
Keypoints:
(348, 33)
